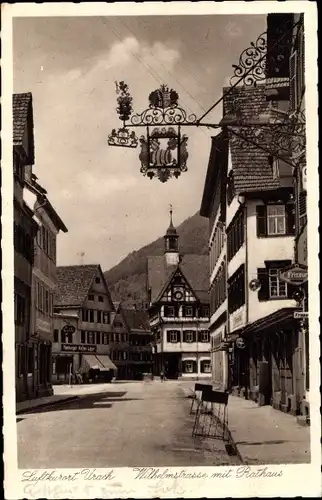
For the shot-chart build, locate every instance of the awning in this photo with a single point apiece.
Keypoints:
(105, 362)
(277, 317)
(89, 361)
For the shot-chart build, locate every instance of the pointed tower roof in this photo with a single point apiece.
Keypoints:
(171, 231)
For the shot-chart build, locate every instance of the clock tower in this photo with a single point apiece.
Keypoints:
(171, 250)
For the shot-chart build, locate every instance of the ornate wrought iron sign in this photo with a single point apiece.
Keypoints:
(164, 151)
(252, 63)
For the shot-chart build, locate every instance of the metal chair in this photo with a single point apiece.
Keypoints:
(198, 389)
(213, 424)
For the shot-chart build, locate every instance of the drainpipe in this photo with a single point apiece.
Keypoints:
(244, 208)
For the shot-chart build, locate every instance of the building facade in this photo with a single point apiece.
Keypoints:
(179, 311)
(83, 316)
(43, 281)
(257, 210)
(25, 229)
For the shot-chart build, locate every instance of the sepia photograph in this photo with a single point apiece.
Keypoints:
(162, 214)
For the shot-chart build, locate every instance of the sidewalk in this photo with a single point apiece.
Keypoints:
(63, 393)
(263, 435)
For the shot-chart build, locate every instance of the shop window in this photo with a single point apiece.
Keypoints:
(189, 366)
(205, 366)
(30, 360)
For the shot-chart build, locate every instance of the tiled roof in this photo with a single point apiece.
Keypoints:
(73, 284)
(136, 320)
(251, 168)
(22, 115)
(194, 268)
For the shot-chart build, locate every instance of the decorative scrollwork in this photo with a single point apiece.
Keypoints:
(252, 63)
(160, 116)
(123, 137)
(124, 101)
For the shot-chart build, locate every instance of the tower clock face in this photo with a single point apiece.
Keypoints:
(178, 293)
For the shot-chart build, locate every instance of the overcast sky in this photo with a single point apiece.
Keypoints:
(70, 66)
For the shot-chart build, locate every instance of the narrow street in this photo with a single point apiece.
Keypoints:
(130, 424)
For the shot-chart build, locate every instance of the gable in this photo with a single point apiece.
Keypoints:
(99, 287)
(178, 290)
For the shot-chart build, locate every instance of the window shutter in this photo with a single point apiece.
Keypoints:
(194, 366)
(290, 218)
(291, 289)
(168, 336)
(261, 221)
(263, 292)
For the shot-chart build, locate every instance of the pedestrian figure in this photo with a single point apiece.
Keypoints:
(161, 375)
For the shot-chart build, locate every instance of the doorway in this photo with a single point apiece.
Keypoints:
(172, 366)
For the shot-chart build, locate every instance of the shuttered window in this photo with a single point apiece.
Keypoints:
(173, 336)
(275, 220)
(189, 366)
(271, 286)
(236, 290)
(235, 234)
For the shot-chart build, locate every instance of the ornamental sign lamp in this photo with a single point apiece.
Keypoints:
(164, 150)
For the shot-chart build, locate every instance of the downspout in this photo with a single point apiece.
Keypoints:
(243, 206)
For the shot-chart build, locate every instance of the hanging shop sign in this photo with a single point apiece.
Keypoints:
(254, 285)
(304, 178)
(295, 275)
(78, 348)
(301, 314)
(240, 343)
(68, 329)
(164, 151)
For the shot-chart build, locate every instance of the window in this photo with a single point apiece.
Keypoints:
(83, 340)
(118, 324)
(236, 290)
(124, 338)
(169, 311)
(218, 289)
(204, 336)
(188, 336)
(90, 337)
(106, 318)
(277, 287)
(91, 315)
(100, 298)
(105, 338)
(99, 316)
(230, 188)
(302, 209)
(98, 337)
(30, 360)
(205, 366)
(173, 336)
(271, 286)
(85, 314)
(20, 309)
(205, 312)
(235, 234)
(190, 366)
(66, 338)
(91, 298)
(275, 220)
(46, 302)
(56, 336)
(97, 279)
(188, 311)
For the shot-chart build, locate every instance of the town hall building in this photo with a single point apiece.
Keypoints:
(179, 311)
